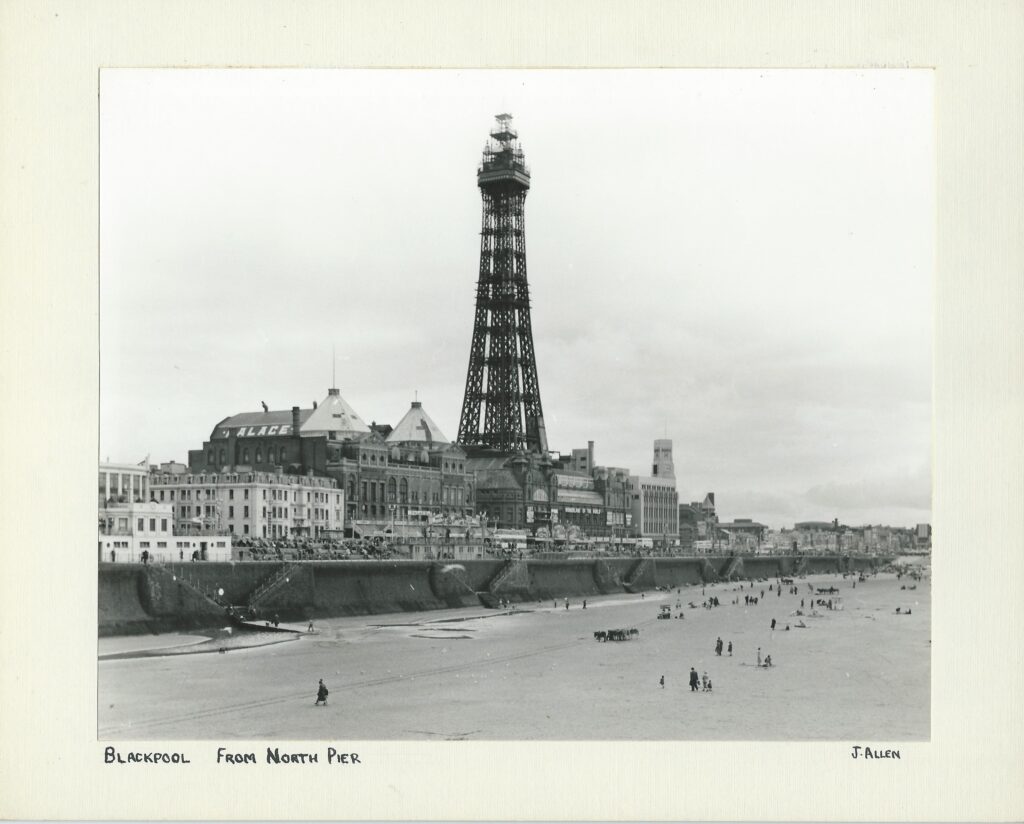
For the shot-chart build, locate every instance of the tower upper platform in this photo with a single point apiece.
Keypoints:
(503, 160)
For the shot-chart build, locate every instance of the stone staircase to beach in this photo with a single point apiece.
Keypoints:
(168, 578)
(735, 568)
(636, 576)
(274, 583)
(514, 575)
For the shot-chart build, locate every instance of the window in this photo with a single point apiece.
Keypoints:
(245, 455)
(281, 455)
(264, 494)
(142, 524)
(209, 457)
(199, 510)
(231, 494)
(259, 455)
(144, 544)
(245, 529)
(245, 512)
(163, 524)
(231, 512)
(161, 544)
(392, 490)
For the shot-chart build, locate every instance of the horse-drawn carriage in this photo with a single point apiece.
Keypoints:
(616, 634)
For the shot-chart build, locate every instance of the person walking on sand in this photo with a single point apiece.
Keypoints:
(704, 682)
(694, 680)
(321, 693)
(730, 649)
(662, 682)
(759, 656)
(773, 623)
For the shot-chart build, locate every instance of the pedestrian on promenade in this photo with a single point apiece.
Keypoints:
(584, 603)
(694, 680)
(704, 682)
(773, 623)
(759, 656)
(566, 603)
(662, 682)
(730, 649)
(321, 693)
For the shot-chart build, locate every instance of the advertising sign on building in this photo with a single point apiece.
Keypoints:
(554, 514)
(529, 514)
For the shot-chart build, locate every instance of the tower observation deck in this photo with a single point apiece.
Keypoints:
(501, 408)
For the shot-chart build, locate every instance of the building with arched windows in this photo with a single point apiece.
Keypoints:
(391, 481)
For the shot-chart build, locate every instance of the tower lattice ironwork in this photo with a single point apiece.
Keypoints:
(501, 382)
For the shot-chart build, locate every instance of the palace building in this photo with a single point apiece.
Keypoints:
(391, 480)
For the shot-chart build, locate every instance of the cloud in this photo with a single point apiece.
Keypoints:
(901, 490)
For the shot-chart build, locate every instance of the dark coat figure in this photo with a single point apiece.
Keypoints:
(321, 693)
(694, 680)
(773, 623)
(730, 648)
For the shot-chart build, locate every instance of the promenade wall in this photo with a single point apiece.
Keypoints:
(137, 599)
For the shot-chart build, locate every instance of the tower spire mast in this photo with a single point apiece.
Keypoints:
(501, 408)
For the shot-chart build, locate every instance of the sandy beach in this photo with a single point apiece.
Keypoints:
(537, 673)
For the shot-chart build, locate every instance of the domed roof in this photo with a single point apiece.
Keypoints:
(333, 415)
(417, 427)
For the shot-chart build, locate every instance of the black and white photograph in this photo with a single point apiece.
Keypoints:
(515, 405)
(511, 411)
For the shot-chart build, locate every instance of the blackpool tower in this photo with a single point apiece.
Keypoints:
(501, 409)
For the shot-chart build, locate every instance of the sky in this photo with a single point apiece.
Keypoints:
(738, 260)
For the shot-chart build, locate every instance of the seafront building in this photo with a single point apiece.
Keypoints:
(123, 483)
(388, 481)
(250, 504)
(132, 522)
(655, 504)
(697, 521)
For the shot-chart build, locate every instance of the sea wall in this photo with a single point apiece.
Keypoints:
(138, 599)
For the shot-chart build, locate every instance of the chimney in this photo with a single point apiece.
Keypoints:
(590, 456)
(295, 421)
